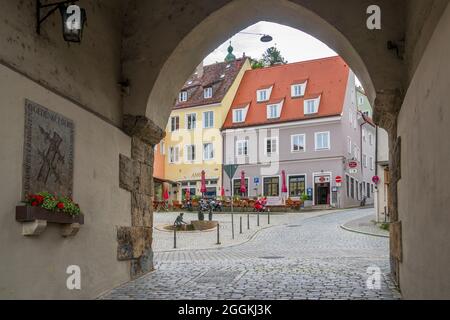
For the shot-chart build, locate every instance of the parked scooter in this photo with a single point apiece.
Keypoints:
(260, 205)
(203, 207)
(216, 205)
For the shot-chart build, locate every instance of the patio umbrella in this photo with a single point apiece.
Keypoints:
(203, 187)
(283, 178)
(166, 195)
(243, 188)
(222, 192)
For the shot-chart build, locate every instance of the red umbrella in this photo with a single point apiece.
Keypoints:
(166, 195)
(243, 187)
(203, 187)
(222, 192)
(188, 194)
(283, 178)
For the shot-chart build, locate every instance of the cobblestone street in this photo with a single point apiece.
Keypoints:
(303, 256)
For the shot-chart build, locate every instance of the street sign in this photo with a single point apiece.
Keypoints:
(353, 171)
(338, 184)
(256, 180)
(353, 164)
(230, 170)
(334, 189)
(338, 179)
(376, 179)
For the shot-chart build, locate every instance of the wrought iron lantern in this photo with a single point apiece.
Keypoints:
(73, 18)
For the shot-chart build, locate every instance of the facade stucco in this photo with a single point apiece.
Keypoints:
(423, 193)
(35, 267)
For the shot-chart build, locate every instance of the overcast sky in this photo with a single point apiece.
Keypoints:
(294, 45)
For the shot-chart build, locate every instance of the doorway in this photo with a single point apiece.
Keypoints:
(322, 194)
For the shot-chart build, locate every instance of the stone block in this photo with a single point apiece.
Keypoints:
(141, 151)
(396, 240)
(132, 242)
(126, 173)
(70, 230)
(143, 128)
(34, 228)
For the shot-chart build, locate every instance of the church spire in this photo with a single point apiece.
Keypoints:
(230, 56)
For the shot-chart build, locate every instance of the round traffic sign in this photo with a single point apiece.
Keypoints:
(376, 179)
(338, 179)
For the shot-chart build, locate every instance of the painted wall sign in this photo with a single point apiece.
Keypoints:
(48, 151)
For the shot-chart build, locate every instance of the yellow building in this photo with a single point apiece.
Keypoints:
(194, 142)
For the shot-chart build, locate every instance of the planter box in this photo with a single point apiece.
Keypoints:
(30, 214)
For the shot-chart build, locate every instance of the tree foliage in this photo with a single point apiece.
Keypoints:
(271, 57)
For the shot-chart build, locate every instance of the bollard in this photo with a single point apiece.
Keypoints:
(175, 237)
(268, 217)
(258, 219)
(232, 225)
(248, 221)
(218, 234)
(240, 225)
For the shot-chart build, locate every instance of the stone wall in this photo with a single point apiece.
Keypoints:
(423, 195)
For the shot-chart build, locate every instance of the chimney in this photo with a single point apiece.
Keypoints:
(199, 70)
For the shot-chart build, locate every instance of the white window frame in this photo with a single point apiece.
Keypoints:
(244, 148)
(205, 158)
(235, 113)
(269, 111)
(302, 89)
(207, 119)
(370, 139)
(194, 153)
(171, 123)
(315, 101)
(208, 93)
(372, 164)
(329, 140)
(174, 154)
(187, 121)
(162, 148)
(349, 145)
(271, 145)
(279, 184)
(183, 96)
(364, 160)
(292, 143)
(268, 93)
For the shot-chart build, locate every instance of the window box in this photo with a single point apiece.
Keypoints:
(34, 221)
(30, 214)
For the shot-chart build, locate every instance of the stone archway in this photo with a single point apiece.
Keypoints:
(154, 84)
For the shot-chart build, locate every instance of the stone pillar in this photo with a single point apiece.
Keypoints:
(136, 176)
(387, 108)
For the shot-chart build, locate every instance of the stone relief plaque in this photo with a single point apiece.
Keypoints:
(48, 151)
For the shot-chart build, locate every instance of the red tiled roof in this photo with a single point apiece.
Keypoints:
(326, 77)
(211, 78)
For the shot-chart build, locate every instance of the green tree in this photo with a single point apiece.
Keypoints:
(271, 57)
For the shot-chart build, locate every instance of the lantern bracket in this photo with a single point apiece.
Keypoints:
(53, 7)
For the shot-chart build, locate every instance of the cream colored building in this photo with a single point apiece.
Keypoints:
(193, 138)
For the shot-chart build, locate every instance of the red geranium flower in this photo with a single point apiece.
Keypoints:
(34, 204)
(60, 205)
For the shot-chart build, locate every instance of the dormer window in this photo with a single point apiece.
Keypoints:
(311, 106)
(298, 90)
(208, 93)
(263, 95)
(239, 115)
(183, 97)
(274, 110)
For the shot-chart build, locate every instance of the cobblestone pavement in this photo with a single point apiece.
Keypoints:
(304, 258)
(163, 240)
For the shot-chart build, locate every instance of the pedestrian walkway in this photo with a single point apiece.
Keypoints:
(365, 225)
